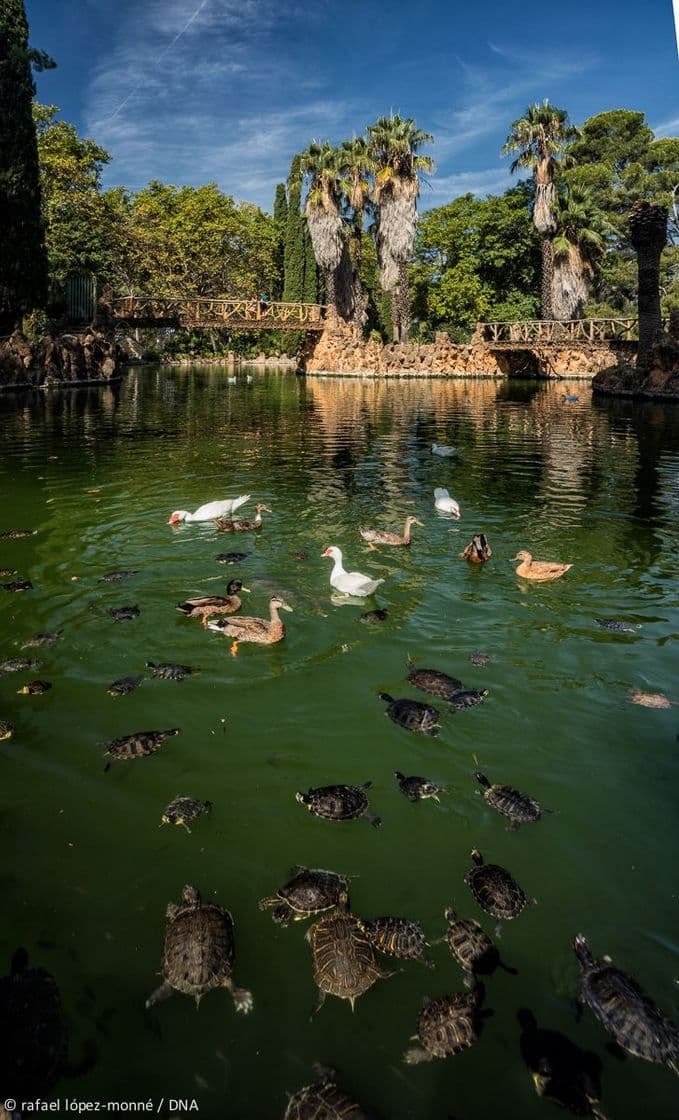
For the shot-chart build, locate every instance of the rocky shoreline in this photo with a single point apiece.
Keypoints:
(88, 357)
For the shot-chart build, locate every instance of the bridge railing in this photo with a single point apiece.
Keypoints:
(201, 312)
(553, 330)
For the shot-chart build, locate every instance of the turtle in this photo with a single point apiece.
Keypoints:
(231, 557)
(479, 659)
(412, 715)
(435, 682)
(309, 890)
(18, 585)
(166, 671)
(472, 948)
(371, 618)
(397, 937)
(34, 688)
(123, 614)
(4, 572)
(650, 699)
(518, 807)
(323, 1100)
(6, 729)
(199, 952)
(447, 1025)
(495, 890)
(467, 698)
(184, 810)
(299, 554)
(343, 960)
(560, 1070)
(35, 1037)
(638, 1026)
(16, 534)
(417, 789)
(43, 640)
(116, 577)
(123, 685)
(338, 803)
(616, 626)
(18, 665)
(137, 745)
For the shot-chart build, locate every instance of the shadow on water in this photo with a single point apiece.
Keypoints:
(561, 1071)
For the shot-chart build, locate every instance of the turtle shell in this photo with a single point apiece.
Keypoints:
(518, 807)
(124, 685)
(397, 937)
(18, 585)
(469, 943)
(43, 640)
(139, 744)
(17, 665)
(35, 688)
(412, 715)
(495, 890)
(323, 1101)
(449, 1024)
(416, 788)
(35, 1039)
(616, 626)
(467, 698)
(115, 577)
(231, 557)
(16, 534)
(373, 617)
(184, 810)
(343, 959)
(336, 803)
(479, 659)
(312, 890)
(6, 729)
(435, 682)
(199, 947)
(124, 614)
(167, 671)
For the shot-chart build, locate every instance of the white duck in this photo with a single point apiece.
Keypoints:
(349, 583)
(211, 511)
(444, 502)
(443, 450)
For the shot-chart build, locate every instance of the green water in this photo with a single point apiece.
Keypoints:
(87, 872)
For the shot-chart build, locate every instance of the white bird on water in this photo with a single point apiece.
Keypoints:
(349, 583)
(443, 450)
(444, 502)
(210, 511)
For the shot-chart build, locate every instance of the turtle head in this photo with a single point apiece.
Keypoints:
(582, 950)
(482, 780)
(542, 1075)
(476, 856)
(449, 914)
(190, 896)
(303, 798)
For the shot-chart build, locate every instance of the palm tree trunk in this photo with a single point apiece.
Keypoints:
(546, 308)
(358, 293)
(404, 300)
(330, 297)
(648, 234)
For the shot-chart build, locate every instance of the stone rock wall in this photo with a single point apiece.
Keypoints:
(65, 359)
(659, 379)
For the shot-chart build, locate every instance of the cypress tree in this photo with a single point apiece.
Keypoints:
(310, 293)
(23, 259)
(280, 217)
(293, 288)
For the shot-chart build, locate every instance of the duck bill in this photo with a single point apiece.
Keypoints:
(326, 553)
(246, 589)
(285, 607)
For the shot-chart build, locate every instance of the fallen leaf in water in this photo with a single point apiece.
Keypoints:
(650, 699)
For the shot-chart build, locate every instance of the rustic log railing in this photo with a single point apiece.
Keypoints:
(551, 330)
(216, 314)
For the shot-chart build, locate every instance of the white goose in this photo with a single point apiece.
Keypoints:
(443, 450)
(349, 583)
(444, 502)
(211, 511)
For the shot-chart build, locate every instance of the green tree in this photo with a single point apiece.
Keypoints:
(579, 245)
(539, 138)
(356, 165)
(23, 258)
(280, 217)
(294, 254)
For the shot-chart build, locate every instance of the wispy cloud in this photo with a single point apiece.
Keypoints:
(667, 128)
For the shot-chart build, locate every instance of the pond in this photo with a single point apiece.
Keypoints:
(87, 871)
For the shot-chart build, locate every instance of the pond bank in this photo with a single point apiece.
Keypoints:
(76, 358)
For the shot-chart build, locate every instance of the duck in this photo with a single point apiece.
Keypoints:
(379, 536)
(538, 570)
(261, 631)
(225, 525)
(478, 550)
(349, 583)
(443, 450)
(205, 606)
(444, 502)
(210, 511)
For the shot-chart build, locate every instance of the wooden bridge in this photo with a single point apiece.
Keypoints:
(560, 332)
(217, 314)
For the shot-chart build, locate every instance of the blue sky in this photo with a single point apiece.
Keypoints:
(191, 91)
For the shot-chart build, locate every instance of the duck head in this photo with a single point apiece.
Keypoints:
(523, 556)
(414, 521)
(279, 604)
(177, 516)
(234, 586)
(261, 508)
(333, 552)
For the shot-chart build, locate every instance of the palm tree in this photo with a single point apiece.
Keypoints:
(648, 234)
(356, 166)
(579, 243)
(324, 219)
(539, 137)
(394, 145)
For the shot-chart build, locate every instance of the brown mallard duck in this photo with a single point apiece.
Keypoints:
(242, 526)
(205, 606)
(379, 536)
(478, 550)
(261, 631)
(538, 570)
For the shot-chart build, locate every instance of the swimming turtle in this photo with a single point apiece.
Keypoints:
(308, 891)
(479, 659)
(43, 640)
(447, 1026)
(471, 946)
(16, 534)
(299, 554)
(495, 890)
(435, 682)
(166, 671)
(650, 699)
(116, 577)
(396, 937)
(35, 1037)
(338, 803)
(373, 617)
(616, 626)
(18, 665)
(638, 1026)
(34, 688)
(18, 585)
(183, 811)
(323, 1100)
(6, 729)
(4, 572)
(467, 698)
(138, 745)
(518, 807)
(417, 789)
(343, 960)
(199, 952)
(411, 714)
(560, 1070)
(231, 557)
(123, 685)
(123, 614)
